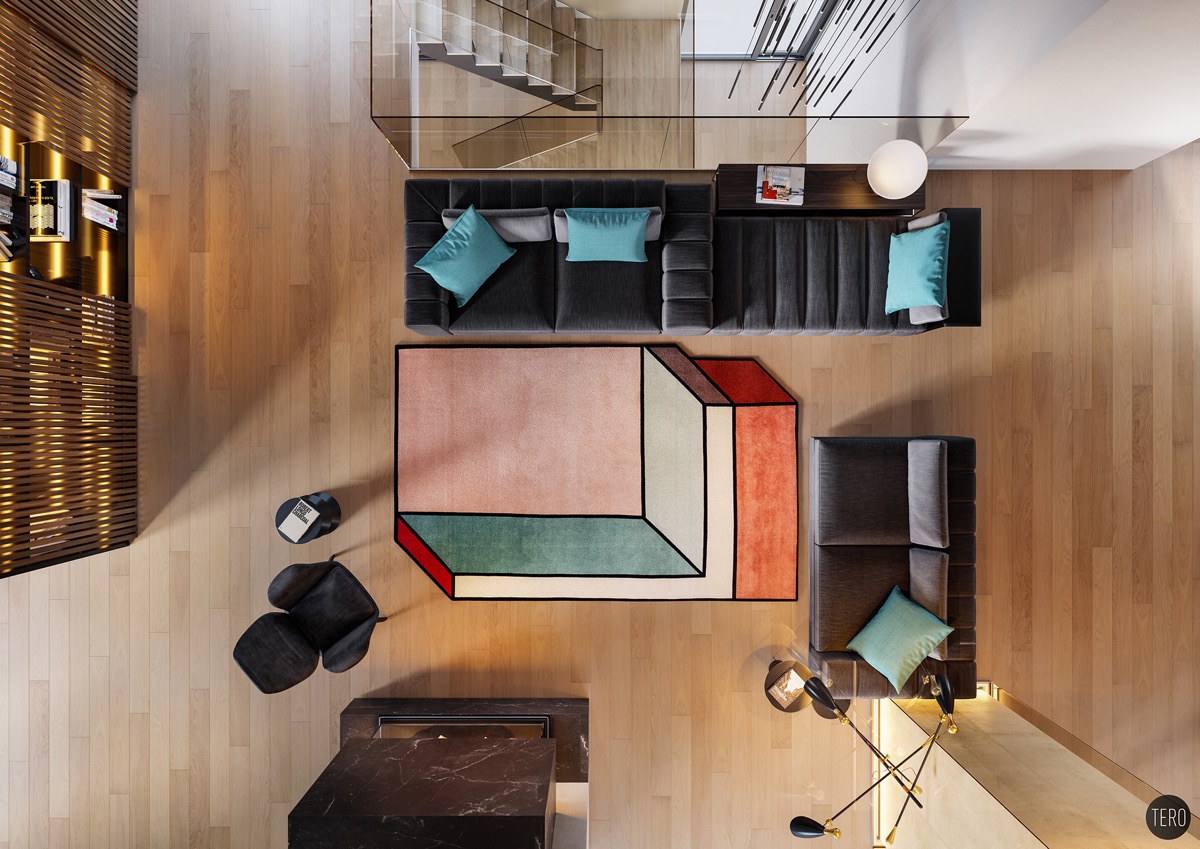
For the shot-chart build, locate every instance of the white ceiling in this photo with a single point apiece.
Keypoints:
(1120, 90)
(1045, 83)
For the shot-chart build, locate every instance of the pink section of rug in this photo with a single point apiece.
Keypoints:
(530, 431)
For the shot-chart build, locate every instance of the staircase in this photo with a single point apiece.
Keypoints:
(532, 46)
(522, 139)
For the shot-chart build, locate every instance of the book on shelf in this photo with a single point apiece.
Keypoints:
(49, 210)
(780, 184)
(103, 215)
(8, 173)
(100, 194)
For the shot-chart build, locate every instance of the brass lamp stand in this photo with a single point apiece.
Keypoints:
(942, 690)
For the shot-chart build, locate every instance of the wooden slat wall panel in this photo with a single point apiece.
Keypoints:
(68, 424)
(105, 32)
(52, 95)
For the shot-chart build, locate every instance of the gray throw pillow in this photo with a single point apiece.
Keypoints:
(928, 572)
(928, 515)
(927, 220)
(653, 225)
(511, 225)
(928, 315)
(928, 575)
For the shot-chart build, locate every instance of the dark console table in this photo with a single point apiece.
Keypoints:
(828, 190)
(451, 794)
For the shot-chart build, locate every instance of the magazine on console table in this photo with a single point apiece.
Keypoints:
(780, 184)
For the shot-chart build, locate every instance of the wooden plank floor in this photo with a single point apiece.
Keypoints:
(268, 287)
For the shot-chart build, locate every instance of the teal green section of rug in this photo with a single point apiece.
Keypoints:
(602, 546)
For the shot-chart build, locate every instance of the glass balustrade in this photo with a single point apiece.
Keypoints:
(468, 84)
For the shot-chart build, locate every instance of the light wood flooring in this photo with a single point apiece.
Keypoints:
(268, 287)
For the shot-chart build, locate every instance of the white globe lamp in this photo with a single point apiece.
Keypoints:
(897, 169)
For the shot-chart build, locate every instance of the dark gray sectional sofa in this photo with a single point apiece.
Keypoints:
(754, 274)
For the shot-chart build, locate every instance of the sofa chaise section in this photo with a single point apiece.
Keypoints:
(788, 274)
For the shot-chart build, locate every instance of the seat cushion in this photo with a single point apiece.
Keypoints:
(333, 608)
(609, 297)
(274, 653)
(859, 491)
(847, 584)
(518, 298)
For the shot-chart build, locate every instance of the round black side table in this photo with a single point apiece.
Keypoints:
(329, 516)
(780, 668)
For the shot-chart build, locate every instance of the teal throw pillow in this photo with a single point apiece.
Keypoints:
(917, 264)
(464, 258)
(899, 637)
(606, 235)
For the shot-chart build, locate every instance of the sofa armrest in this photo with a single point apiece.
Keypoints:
(848, 676)
(964, 274)
(429, 318)
(687, 260)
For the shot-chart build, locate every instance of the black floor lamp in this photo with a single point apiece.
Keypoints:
(943, 692)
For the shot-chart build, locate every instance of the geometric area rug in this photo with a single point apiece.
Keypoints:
(595, 472)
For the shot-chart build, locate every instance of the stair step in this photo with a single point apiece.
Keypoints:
(506, 75)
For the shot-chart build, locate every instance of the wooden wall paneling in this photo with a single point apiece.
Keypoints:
(68, 411)
(51, 94)
(105, 32)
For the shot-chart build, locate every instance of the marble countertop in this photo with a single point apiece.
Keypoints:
(435, 778)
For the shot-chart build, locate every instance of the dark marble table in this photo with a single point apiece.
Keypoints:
(568, 721)
(430, 794)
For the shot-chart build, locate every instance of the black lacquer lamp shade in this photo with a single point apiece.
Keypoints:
(945, 694)
(807, 827)
(820, 694)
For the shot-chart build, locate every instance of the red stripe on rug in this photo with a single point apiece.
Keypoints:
(426, 559)
(765, 446)
(744, 381)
